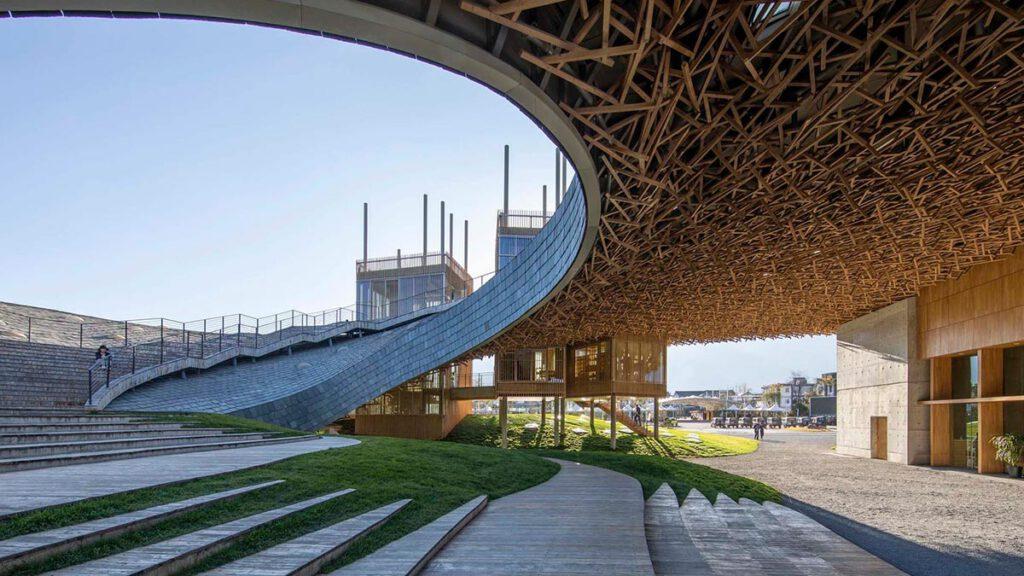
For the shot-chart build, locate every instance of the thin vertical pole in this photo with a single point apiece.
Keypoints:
(366, 213)
(656, 414)
(558, 428)
(125, 332)
(614, 422)
(543, 410)
(558, 177)
(565, 175)
(544, 202)
(503, 419)
(505, 204)
(29, 328)
(399, 258)
(424, 229)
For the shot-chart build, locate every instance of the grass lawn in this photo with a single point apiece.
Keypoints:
(202, 420)
(438, 476)
(649, 461)
(485, 431)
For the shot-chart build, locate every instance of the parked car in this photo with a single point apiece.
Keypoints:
(805, 421)
(716, 422)
(791, 421)
(775, 422)
(731, 423)
(746, 422)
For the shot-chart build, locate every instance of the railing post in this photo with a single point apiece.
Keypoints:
(202, 341)
(126, 333)
(108, 378)
(80, 327)
(133, 359)
(257, 333)
(161, 340)
(29, 328)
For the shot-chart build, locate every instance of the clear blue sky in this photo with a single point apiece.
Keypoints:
(188, 169)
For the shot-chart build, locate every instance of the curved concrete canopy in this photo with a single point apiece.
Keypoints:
(766, 168)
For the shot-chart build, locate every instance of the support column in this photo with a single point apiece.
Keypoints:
(563, 416)
(990, 414)
(503, 420)
(557, 425)
(543, 410)
(592, 425)
(656, 425)
(614, 422)
(941, 432)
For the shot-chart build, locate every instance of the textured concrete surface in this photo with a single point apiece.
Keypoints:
(403, 556)
(307, 553)
(879, 374)
(43, 544)
(23, 491)
(584, 521)
(924, 521)
(178, 553)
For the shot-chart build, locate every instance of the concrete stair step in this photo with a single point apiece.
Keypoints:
(34, 462)
(63, 419)
(87, 427)
(673, 552)
(305, 555)
(177, 554)
(412, 552)
(186, 437)
(42, 545)
(19, 438)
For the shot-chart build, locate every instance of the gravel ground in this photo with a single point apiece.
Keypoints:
(926, 522)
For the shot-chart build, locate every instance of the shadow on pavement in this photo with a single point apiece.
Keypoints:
(909, 557)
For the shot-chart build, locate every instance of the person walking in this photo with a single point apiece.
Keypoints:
(758, 430)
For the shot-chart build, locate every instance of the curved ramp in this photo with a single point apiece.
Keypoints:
(310, 389)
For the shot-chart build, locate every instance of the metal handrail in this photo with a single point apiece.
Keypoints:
(212, 336)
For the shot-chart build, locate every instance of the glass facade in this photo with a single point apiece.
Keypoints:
(964, 447)
(509, 246)
(423, 395)
(541, 365)
(639, 360)
(591, 364)
(387, 297)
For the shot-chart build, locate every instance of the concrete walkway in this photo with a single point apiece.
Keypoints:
(584, 521)
(31, 489)
(926, 522)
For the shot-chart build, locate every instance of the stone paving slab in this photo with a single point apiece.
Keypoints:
(745, 538)
(583, 521)
(34, 489)
(171, 556)
(673, 552)
(306, 554)
(410, 553)
(38, 545)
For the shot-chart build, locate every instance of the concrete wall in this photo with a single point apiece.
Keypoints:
(879, 374)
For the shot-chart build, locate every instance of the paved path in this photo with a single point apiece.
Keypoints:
(23, 491)
(926, 522)
(584, 521)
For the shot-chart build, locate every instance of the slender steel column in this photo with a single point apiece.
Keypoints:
(506, 185)
(544, 200)
(615, 424)
(558, 177)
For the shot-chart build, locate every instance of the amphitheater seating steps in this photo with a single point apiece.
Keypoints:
(41, 439)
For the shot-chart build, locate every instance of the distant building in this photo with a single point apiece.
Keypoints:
(826, 385)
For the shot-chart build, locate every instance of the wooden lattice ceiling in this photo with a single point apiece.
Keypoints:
(775, 168)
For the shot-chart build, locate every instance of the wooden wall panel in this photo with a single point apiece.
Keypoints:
(941, 433)
(982, 308)
(990, 414)
(420, 427)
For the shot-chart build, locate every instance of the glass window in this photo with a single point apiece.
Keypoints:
(965, 376)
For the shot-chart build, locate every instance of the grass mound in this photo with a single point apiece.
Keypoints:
(486, 431)
(437, 476)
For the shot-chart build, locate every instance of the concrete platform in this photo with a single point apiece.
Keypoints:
(584, 521)
(33, 489)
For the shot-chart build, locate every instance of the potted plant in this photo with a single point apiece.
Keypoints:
(1010, 451)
